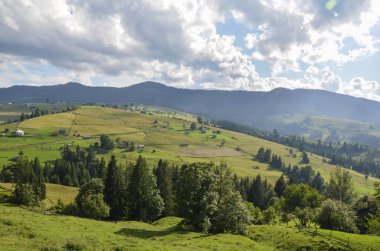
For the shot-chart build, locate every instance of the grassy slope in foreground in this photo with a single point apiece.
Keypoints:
(161, 140)
(23, 230)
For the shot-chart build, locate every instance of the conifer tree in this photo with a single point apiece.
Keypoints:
(164, 176)
(145, 202)
(102, 169)
(38, 183)
(115, 191)
(280, 186)
(305, 158)
(258, 192)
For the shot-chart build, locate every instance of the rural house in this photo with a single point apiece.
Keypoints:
(19, 132)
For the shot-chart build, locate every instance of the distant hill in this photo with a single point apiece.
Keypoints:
(256, 109)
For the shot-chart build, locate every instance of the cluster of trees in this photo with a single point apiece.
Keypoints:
(28, 176)
(128, 145)
(204, 194)
(307, 175)
(257, 191)
(264, 155)
(275, 161)
(361, 158)
(75, 167)
(208, 196)
(36, 113)
(334, 207)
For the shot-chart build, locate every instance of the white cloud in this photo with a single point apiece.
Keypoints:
(331, 82)
(177, 42)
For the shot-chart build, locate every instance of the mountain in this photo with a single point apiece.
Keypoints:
(252, 108)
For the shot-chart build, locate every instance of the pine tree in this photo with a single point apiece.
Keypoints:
(38, 184)
(102, 169)
(145, 202)
(164, 176)
(260, 154)
(267, 156)
(280, 186)
(258, 192)
(305, 158)
(319, 183)
(115, 191)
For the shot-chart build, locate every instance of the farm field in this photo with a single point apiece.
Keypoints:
(13, 111)
(25, 230)
(162, 134)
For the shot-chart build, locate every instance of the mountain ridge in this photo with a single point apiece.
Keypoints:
(254, 108)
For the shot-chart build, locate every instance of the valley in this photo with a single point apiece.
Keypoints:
(161, 140)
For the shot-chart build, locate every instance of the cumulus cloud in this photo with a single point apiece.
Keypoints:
(363, 88)
(331, 82)
(177, 42)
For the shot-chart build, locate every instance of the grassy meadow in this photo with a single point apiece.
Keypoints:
(162, 140)
(13, 111)
(22, 229)
(25, 230)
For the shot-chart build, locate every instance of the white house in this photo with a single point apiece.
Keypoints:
(19, 132)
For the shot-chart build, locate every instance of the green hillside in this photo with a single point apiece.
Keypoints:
(13, 111)
(24, 230)
(161, 140)
(334, 129)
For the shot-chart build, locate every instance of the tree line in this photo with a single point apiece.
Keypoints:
(208, 196)
(37, 112)
(348, 155)
(202, 193)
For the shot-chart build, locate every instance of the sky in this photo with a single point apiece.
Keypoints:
(255, 45)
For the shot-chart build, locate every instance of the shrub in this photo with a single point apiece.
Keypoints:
(336, 215)
(90, 201)
(374, 226)
(24, 194)
(270, 216)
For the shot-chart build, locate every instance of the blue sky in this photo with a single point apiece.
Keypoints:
(255, 45)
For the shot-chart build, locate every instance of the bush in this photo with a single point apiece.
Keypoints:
(301, 196)
(69, 209)
(374, 226)
(255, 213)
(72, 246)
(336, 215)
(90, 201)
(270, 216)
(94, 207)
(233, 215)
(25, 195)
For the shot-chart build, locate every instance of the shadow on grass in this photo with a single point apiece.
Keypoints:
(143, 233)
(147, 234)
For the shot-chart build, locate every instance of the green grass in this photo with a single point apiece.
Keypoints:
(162, 141)
(53, 192)
(281, 237)
(21, 229)
(14, 111)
